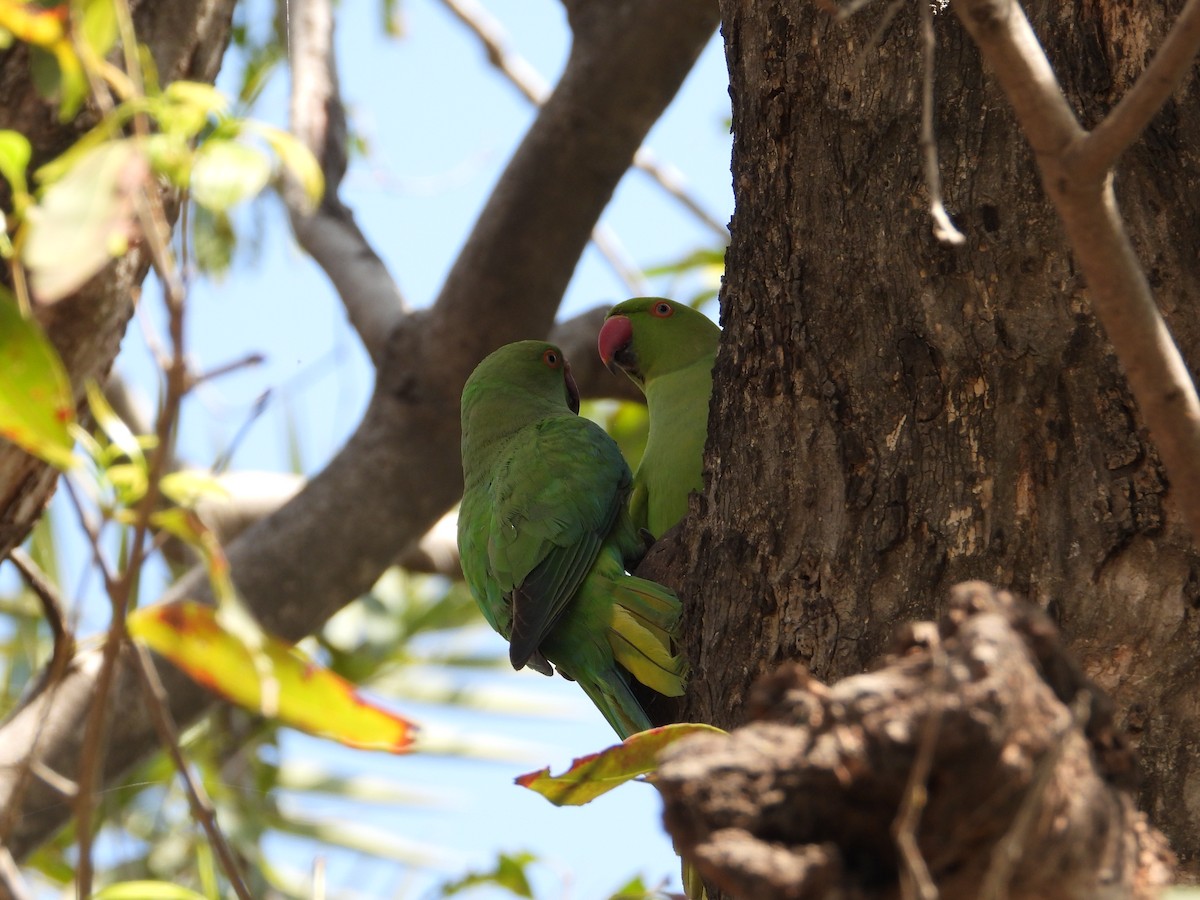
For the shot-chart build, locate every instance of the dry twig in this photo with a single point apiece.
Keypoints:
(533, 88)
(198, 800)
(943, 227)
(915, 881)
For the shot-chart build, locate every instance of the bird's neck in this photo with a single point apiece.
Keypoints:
(670, 418)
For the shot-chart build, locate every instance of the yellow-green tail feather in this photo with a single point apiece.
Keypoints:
(644, 619)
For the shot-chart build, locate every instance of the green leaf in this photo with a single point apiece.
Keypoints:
(84, 219)
(100, 25)
(187, 487)
(296, 158)
(186, 107)
(129, 480)
(598, 773)
(226, 173)
(635, 889)
(146, 890)
(307, 696)
(709, 261)
(213, 240)
(14, 159)
(508, 873)
(113, 425)
(170, 155)
(36, 407)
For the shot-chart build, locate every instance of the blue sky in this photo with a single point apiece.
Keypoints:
(440, 124)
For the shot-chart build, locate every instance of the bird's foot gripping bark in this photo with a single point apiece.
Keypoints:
(978, 758)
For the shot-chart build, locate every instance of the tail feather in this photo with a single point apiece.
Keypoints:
(645, 655)
(644, 618)
(656, 605)
(610, 692)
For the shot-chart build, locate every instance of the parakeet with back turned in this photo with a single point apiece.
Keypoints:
(544, 533)
(668, 349)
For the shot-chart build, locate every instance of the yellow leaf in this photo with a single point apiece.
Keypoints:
(598, 773)
(310, 697)
(188, 487)
(146, 890)
(296, 158)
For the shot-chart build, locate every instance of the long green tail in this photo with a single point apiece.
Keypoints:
(610, 692)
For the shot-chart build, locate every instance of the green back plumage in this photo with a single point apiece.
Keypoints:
(670, 357)
(543, 535)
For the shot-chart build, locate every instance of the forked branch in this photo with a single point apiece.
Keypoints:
(1074, 174)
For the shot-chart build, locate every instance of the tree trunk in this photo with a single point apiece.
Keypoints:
(892, 415)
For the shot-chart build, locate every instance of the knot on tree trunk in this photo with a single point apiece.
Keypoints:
(978, 758)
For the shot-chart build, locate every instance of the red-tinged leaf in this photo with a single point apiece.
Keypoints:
(598, 773)
(307, 696)
(36, 407)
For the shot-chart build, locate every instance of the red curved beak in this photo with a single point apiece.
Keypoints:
(615, 335)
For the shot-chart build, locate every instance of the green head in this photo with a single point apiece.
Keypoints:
(650, 336)
(533, 372)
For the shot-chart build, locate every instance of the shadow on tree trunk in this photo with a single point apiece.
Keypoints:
(978, 758)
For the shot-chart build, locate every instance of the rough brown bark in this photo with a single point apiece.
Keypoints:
(892, 416)
(806, 801)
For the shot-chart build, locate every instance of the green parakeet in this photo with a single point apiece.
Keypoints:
(544, 533)
(668, 349)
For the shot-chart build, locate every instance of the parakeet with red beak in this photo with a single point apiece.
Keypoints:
(544, 533)
(668, 349)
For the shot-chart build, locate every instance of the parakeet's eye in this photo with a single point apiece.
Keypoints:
(662, 310)
(552, 358)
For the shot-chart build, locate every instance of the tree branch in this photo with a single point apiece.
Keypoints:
(526, 79)
(1094, 155)
(1117, 285)
(329, 233)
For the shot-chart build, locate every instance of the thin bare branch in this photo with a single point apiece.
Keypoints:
(533, 88)
(329, 233)
(1117, 285)
(943, 227)
(1094, 155)
(52, 606)
(198, 800)
(881, 29)
(64, 647)
(518, 70)
(12, 883)
(609, 244)
(60, 783)
(915, 880)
